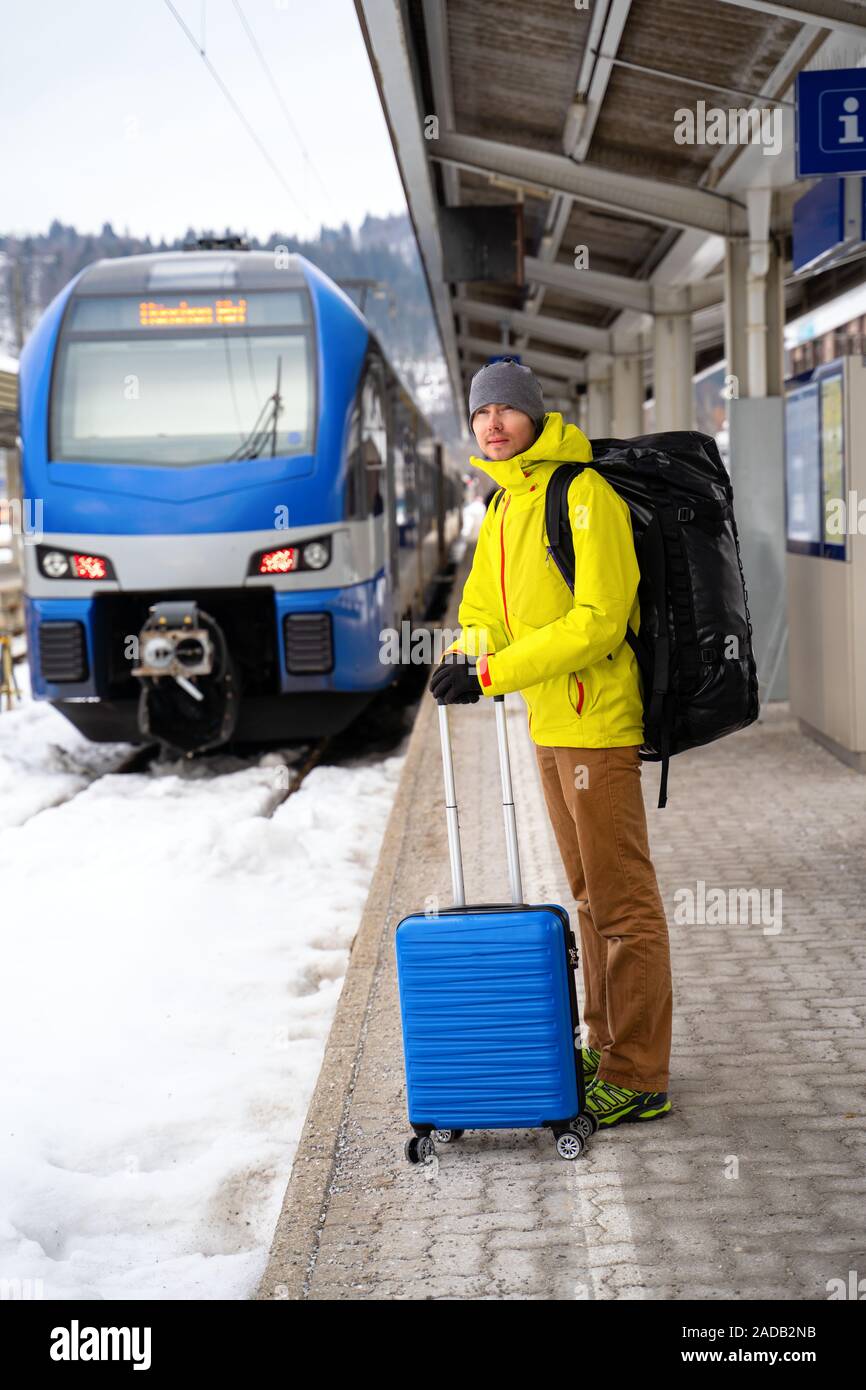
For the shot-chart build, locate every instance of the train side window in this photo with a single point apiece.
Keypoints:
(411, 481)
(368, 450)
(353, 463)
(374, 442)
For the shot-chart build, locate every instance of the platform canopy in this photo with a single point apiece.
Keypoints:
(568, 117)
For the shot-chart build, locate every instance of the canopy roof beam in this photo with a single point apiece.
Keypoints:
(647, 200)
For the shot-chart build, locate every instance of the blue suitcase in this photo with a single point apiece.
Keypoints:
(491, 1035)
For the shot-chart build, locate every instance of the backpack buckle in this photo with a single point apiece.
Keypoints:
(685, 514)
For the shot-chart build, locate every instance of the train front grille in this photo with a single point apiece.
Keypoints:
(309, 643)
(62, 652)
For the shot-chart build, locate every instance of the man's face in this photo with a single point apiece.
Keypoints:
(502, 431)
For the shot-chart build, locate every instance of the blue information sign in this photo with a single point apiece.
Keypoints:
(829, 222)
(831, 122)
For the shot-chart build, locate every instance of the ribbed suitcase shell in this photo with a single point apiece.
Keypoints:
(489, 1013)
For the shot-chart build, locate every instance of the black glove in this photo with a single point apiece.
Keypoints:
(455, 682)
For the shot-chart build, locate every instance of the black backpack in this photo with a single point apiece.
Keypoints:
(698, 665)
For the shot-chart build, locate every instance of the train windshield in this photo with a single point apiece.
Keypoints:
(184, 379)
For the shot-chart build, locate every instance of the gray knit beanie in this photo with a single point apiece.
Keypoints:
(507, 383)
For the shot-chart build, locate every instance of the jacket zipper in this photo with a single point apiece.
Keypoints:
(579, 706)
(502, 561)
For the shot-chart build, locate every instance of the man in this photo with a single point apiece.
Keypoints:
(521, 629)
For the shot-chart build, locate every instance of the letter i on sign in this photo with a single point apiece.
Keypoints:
(851, 123)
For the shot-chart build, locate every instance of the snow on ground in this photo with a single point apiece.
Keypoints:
(172, 959)
(43, 759)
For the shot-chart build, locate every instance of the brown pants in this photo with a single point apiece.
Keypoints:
(595, 804)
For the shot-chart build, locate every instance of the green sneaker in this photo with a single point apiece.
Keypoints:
(614, 1105)
(590, 1059)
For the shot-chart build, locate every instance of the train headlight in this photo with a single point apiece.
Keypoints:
(55, 564)
(306, 555)
(72, 564)
(316, 554)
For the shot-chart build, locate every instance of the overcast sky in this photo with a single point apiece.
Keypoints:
(110, 115)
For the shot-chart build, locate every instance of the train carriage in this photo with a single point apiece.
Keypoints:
(238, 497)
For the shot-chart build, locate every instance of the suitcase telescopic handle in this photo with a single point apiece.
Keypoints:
(454, 848)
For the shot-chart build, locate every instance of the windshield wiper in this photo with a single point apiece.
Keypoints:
(255, 440)
(278, 405)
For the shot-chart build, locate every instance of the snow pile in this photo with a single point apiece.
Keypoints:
(172, 959)
(43, 759)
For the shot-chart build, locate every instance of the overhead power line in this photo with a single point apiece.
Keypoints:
(279, 96)
(237, 110)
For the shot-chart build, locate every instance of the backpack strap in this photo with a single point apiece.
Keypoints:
(561, 547)
(498, 498)
(660, 709)
(555, 512)
(664, 564)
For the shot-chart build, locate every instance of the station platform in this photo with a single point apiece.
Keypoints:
(753, 1187)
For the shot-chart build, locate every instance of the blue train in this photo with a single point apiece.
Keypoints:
(239, 496)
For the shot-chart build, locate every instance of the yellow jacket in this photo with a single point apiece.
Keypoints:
(566, 655)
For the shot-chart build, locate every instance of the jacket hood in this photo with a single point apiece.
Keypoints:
(558, 443)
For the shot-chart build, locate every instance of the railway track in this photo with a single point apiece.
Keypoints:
(375, 733)
(149, 757)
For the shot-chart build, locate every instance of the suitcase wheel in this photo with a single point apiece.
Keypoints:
(570, 1145)
(447, 1136)
(419, 1149)
(585, 1125)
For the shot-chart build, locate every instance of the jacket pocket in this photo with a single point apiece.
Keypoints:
(576, 693)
